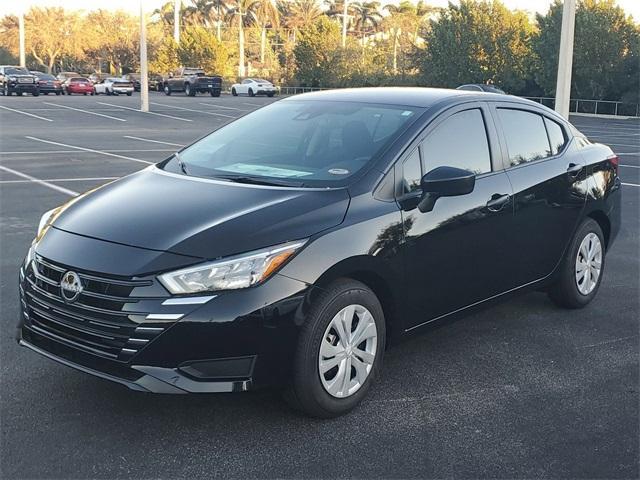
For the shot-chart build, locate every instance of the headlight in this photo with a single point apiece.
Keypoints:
(12, 79)
(240, 271)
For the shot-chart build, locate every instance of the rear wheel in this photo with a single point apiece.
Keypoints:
(215, 93)
(233, 92)
(129, 94)
(339, 351)
(580, 274)
(270, 94)
(35, 93)
(189, 90)
(251, 94)
(167, 90)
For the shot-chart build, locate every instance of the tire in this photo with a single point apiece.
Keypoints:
(188, 91)
(251, 94)
(270, 94)
(568, 290)
(84, 93)
(57, 93)
(19, 94)
(36, 93)
(307, 391)
(167, 90)
(214, 93)
(129, 94)
(93, 93)
(68, 93)
(45, 93)
(233, 92)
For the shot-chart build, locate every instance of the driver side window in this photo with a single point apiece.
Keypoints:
(460, 141)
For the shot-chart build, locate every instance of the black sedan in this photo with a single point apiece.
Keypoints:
(293, 245)
(48, 83)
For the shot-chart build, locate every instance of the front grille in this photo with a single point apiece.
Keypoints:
(104, 320)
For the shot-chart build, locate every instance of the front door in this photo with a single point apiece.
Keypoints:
(453, 254)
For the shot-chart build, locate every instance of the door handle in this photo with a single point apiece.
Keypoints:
(574, 169)
(497, 202)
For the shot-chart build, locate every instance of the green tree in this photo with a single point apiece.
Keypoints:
(317, 54)
(112, 37)
(605, 55)
(477, 42)
(199, 47)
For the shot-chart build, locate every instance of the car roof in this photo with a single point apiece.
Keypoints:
(409, 96)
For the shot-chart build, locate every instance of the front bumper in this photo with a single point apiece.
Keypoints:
(22, 87)
(234, 341)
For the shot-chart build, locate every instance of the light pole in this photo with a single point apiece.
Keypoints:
(23, 62)
(565, 58)
(344, 24)
(144, 71)
(176, 20)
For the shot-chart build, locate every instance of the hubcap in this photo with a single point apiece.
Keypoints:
(588, 264)
(347, 351)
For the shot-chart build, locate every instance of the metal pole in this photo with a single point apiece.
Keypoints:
(565, 58)
(23, 62)
(144, 71)
(344, 25)
(176, 20)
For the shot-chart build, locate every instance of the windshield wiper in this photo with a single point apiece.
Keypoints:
(181, 164)
(259, 180)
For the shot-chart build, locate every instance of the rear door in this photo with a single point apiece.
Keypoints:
(454, 254)
(548, 178)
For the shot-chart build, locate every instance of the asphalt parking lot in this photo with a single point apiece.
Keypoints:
(523, 389)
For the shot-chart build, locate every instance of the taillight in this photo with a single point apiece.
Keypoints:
(614, 160)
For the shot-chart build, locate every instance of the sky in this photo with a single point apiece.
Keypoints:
(6, 6)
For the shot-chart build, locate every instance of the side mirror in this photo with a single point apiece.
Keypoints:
(444, 182)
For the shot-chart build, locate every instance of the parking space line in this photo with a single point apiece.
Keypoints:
(33, 152)
(147, 113)
(86, 111)
(214, 105)
(101, 152)
(28, 114)
(87, 179)
(44, 183)
(154, 141)
(632, 153)
(192, 110)
(631, 166)
(255, 104)
(631, 184)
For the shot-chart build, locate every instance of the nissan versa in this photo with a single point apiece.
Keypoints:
(291, 246)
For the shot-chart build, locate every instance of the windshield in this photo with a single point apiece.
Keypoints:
(303, 143)
(17, 71)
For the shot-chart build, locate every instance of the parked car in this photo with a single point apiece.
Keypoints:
(292, 245)
(47, 83)
(78, 85)
(114, 86)
(17, 80)
(191, 81)
(64, 76)
(154, 82)
(253, 87)
(481, 87)
(98, 77)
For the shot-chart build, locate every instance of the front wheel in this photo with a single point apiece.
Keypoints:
(215, 93)
(233, 92)
(251, 94)
(129, 94)
(35, 93)
(189, 91)
(339, 352)
(580, 274)
(270, 94)
(167, 90)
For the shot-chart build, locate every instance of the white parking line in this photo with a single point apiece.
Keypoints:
(87, 179)
(27, 114)
(631, 184)
(214, 105)
(153, 141)
(632, 153)
(192, 110)
(88, 150)
(146, 113)
(254, 104)
(87, 111)
(44, 183)
(631, 166)
(73, 151)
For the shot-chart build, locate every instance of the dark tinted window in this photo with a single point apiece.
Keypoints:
(460, 141)
(556, 136)
(525, 134)
(411, 173)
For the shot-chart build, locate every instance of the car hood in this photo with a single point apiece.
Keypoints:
(192, 216)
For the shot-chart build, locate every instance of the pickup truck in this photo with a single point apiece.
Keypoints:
(191, 81)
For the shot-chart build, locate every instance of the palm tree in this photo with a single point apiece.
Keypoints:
(367, 17)
(299, 14)
(241, 12)
(344, 9)
(396, 21)
(266, 13)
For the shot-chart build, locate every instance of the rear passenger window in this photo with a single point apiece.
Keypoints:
(411, 173)
(525, 134)
(460, 141)
(556, 136)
